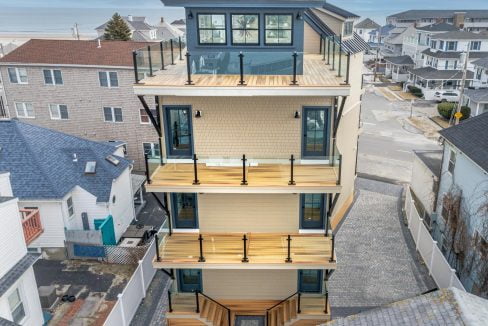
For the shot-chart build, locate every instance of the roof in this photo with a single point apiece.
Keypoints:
(137, 182)
(4, 199)
(460, 35)
(179, 22)
(245, 4)
(398, 34)
(477, 95)
(431, 73)
(167, 31)
(74, 52)
(339, 11)
(453, 54)
(419, 14)
(483, 62)
(16, 272)
(431, 159)
(367, 24)
(439, 27)
(400, 60)
(5, 322)
(41, 165)
(137, 23)
(470, 137)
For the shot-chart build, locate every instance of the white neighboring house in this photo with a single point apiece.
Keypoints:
(76, 184)
(393, 43)
(365, 28)
(19, 299)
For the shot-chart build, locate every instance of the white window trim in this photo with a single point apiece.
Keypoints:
(18, 76)
(152, 148)
(52, 77)
(107, 74)
(20, 290)
(149, 119)
(113, 114)
(24, 109)
(59, 111)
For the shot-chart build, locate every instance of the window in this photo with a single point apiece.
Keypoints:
(433, 44)
(245, 29)
(90, 167)
(112, 114)
(17, 75)
(475, 46)
(144, 118)
(452, 161)
(441, 45)
(24, 110)
(16, 306)
(108, 79)
(478, 73)
(348, 28)
(152, 149)
(455, 64)
(71, 209)
(278, 29)
(52, 77)
(211, 29)
(451, 45)
(58, 111)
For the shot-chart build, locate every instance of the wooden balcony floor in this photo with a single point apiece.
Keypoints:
(264, 251)
(308, 178)
(315, 74)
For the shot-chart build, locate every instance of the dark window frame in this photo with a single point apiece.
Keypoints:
(211, 29)
(292, 29)
(167, 131)
(232, 29)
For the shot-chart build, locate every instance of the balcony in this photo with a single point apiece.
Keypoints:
(31, 224)
(171, 70)
(244, 175)
(245, 251)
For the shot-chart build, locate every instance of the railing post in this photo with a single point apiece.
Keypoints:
(326, 308)
(294, 81)
(348, 68)
(292, 181)
(241, 69)
(228, 317)
(181, 50)
(299, 310)
(323, 44)
(328, 51)
(340, 170)
(150, 61)
(331, 260)
(333, 54)
(245, 259)
(340, 57)
(170, 304)
(161, 53)
(172, 52)
(156, 239)
(188, 69)
(288, 259)
(146, 161)
(197, 310)
(201, 259)
(195, 170)
(134, 62)
(244, 181)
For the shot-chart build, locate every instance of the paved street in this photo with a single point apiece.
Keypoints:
(387, 140)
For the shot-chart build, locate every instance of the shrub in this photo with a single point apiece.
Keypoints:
(415, 90)
(446, 110)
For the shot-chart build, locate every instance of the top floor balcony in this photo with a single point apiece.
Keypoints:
(166, 68)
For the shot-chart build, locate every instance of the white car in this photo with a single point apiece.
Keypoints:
(446, 96)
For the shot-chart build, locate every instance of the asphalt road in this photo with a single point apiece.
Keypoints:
(387, 141)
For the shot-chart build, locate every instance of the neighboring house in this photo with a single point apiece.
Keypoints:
(364, 29)
(83, 88)
(19, 299)
(142, 31)
(393, 43)
(230, 146)
(180, 24)
(470, 20)
(444, 61)
(74, 183)
(378, 36)
(480, 68)
(442, 307)
(477, 100)
(461, 225)
(397, 68)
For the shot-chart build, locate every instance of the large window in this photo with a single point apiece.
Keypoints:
(52, 77)
(16, 306)
(451, 45)
(452, 161)
(24, 110)
(112, 114)
(58, 111)
(17, 75)
(211, 29)
(108, 79)
(278, 29)
(475, 46)
(245, 29)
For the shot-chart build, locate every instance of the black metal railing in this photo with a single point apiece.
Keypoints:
(299, 310)
(197, 302)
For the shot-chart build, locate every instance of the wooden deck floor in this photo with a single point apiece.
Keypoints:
(179, 177)
(315, 74)
(308, 251)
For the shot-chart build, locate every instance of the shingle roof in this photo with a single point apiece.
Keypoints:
(73, 52)
(5, 322)
(460, 35)
(439, 27)
(16, 272)
(431, 159)
(443, 307)
(179, 22)
(483, 62)
(137, 23)
(367, 24)
(418, 14)
(339, 11)
(400, 60)
(477, 95)
(453, 54)
(41, 164)
(166, 31)
(431, 73)
(470, 137)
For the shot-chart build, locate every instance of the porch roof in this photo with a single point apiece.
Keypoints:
(430, 73)
(402, 60)
(477, 95)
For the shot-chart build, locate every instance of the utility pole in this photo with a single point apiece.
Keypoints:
(76, 32)
(463, 82)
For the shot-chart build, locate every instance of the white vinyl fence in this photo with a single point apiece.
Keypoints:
(128, 301)
(439, 268)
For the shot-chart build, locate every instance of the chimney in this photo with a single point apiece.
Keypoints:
(130, 18)
(161, 20)
(99, 44)
(75, 158)
(458, 19)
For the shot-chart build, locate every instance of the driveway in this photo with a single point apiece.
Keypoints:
(377, 263)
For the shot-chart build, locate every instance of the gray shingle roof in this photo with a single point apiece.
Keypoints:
(460, 35)
(16, 272)
(431, 159)
(439, 27)
(418, 14)
(400, 60)
(137, 23)
(483, 62)
(367, 24)
(4, 199)
(5, 322)
(477, 95)
(339, 11)
(470, 137)
(442, 54)
(443, 307)
(41, 164)
(431, 73)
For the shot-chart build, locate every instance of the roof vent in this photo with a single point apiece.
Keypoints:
(99, 44)
(75, 158)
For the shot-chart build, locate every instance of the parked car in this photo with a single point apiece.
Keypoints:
(446, 96)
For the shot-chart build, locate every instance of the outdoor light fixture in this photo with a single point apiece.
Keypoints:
(299, 16)
(297, 115)
(190, 15)
(198, 114)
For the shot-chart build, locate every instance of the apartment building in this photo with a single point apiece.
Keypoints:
(260, 126)
(83, 88)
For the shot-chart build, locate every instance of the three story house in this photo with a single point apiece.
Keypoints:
(259, 118)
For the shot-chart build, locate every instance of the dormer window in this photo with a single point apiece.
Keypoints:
(348, 28)
(433, 44)
(278, 29)
(211, 29)
(245, 29)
